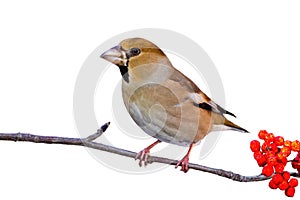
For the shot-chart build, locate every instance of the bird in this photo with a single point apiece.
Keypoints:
(162, 101)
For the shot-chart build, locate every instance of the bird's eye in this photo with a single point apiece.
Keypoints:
(135, 51)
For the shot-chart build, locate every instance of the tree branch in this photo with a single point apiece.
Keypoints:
(88, 142)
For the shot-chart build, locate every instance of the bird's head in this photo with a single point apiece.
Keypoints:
(136, 53)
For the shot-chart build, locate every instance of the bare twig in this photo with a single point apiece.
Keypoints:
(99, 132)
(88, 142)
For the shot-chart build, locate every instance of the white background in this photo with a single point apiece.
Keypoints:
(255, 46)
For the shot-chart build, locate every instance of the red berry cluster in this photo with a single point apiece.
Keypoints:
(272, 156)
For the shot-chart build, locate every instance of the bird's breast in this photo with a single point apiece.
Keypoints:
(164, 113)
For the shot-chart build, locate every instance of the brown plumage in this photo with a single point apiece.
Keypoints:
(162, 101)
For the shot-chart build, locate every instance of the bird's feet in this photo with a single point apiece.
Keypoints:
(143, 156)
(184, 163)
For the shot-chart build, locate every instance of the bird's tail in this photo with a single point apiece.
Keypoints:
(221, 123)
(235, 127)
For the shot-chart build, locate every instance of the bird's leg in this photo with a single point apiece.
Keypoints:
(143, 155)
(184, 162)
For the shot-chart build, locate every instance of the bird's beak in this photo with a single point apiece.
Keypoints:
(115, 55)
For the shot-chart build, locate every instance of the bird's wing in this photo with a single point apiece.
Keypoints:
(199, 98)
(204, 102)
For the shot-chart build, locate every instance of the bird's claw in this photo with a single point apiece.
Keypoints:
(184, 163)
(143, 156)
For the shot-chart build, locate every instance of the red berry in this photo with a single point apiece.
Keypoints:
(255, 145)
(279, 141)
(262, 134)
(277, 179)
(257, 155)
(295, 146)
(290, 192)
(283, 185)
(269, 137)
(260, 158)
(296, 163)
(279, 167)
(281, 158)
(274, 147)
(286, 151)
(269, 154)
(273, 185)
(267, 170)
(262, 161)
(286, 176)
(293, 182)
(284, 161)
(265, 147)
(287, 143)
(272, 160)
(272, 137)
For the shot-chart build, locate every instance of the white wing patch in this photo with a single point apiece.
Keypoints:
(197, 98)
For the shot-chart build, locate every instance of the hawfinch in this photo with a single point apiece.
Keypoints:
(162, 101)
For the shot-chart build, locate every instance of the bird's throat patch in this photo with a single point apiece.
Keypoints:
(124, 73)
